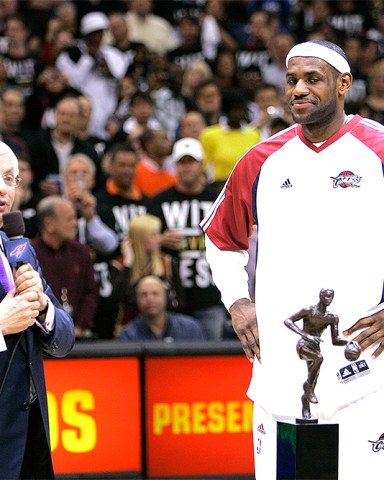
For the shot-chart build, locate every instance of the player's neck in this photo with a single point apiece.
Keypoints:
(322, 131)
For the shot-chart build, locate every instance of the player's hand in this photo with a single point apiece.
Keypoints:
(373, 332)
(28, 280)
(243, 314)
(18, 312)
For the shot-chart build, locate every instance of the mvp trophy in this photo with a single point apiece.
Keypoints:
(307, 450)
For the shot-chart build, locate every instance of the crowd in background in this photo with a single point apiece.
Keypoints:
(127, 118)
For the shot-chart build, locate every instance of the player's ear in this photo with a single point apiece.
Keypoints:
(344, 82)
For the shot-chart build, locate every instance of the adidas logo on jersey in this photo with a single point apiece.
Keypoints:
(286, 184)
(260, 429)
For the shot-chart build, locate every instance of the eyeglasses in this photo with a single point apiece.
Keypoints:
(10, 180)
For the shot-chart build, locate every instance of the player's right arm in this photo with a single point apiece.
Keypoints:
(230, 277)
(228, 227)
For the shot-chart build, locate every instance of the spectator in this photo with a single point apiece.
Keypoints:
(194, 74)
(155, 322)
(7, 8)
(127, 88)
(377, 31)
(208, 100)
(105, 6)
(141, 119)
(79, 180)
(83, 132)
(12, 129)
(145, 27)
(309, 16)
(375, 99)
(267, 105)
(249, 80)
(142, 255)
(151, 176)
(14, 111)
(350, 17)
(255, 52)
(169, 103)
(189, 50)
(120, 39)
(352, 47)
(26, 200)
(274, 72)
(21, 65)
(214, 31)
(225, 70)
(140, 68)
(37, 13)
(66, 13)
(95, 70)
(51, 87)
(181, 208)
(370, 54)
(280, 8)
(120, 200)
(226, 142)
(55, 146)
(192, 124)
(66, 263)
(117, 204)
(56, 41)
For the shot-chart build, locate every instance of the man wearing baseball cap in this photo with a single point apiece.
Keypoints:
(181, 208)
(95, 69)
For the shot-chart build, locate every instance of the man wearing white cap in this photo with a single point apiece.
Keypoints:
(95, 69)
(181, 208)
(315, 192)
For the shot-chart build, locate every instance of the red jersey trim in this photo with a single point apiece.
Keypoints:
(343, 130)
(363, 132)
(231, 218)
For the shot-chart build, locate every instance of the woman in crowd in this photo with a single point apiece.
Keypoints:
(142, 255)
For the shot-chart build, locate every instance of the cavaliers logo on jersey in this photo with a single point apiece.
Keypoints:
(377, 445)
(346, 179)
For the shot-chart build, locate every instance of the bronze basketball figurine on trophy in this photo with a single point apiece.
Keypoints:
(316, 319)
(295, 457)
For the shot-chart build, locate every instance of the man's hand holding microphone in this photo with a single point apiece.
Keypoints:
(26, 302)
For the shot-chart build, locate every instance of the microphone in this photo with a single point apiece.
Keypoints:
(17, 246)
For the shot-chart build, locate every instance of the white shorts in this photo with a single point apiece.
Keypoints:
(361, 451)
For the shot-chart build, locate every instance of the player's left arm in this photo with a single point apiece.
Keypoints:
(336, 339)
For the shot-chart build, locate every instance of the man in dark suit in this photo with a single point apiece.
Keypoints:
(50, 149)
(32, 324)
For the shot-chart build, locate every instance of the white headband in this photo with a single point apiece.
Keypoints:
(5, 150)
(310, 49)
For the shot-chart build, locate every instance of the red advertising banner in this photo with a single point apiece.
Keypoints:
(94, 414)
(199, 420)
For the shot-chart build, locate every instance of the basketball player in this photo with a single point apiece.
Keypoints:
(316, 193)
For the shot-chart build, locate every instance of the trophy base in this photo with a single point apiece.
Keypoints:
(307, 450)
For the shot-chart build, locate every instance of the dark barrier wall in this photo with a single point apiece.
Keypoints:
(153, 410)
